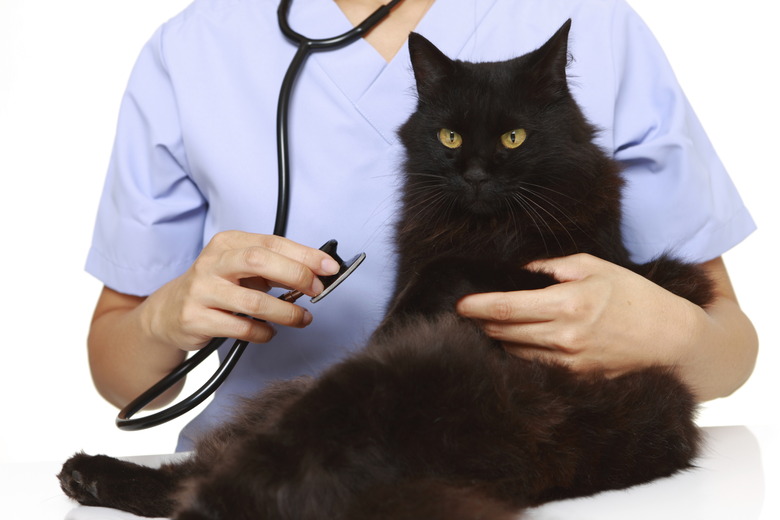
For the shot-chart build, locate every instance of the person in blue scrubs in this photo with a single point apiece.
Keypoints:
(182, 235)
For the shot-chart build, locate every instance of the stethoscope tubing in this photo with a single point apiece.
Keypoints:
(306, 46)
(124, 421)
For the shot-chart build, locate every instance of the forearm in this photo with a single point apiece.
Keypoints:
(723, 350)
(134, 342)
(607, 318)
(125, 359)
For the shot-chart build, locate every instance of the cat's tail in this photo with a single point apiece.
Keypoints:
(431, 500)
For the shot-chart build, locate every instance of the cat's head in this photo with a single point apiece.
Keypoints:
(489, 137)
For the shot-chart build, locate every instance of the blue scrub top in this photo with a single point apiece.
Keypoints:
(195, 151)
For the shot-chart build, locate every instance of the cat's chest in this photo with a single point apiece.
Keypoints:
(489, 243)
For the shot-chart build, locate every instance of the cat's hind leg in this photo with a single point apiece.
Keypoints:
(99, 480)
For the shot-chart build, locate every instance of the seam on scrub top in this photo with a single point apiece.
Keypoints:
(352, 103)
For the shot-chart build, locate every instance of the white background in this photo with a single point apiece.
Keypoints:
(63, 67)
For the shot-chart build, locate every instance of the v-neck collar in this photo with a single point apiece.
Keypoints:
(370, 82)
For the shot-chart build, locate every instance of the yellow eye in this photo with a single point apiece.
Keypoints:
(449, 138)
(513, 139)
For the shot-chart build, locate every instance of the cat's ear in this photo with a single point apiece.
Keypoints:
(548, 63)
(430, 65)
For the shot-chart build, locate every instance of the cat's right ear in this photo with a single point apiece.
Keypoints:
(430, 65)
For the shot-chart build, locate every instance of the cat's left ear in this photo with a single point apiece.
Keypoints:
(430, 65)
(549, 61)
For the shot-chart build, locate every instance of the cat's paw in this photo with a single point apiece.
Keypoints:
(98, 480)
(78, 481)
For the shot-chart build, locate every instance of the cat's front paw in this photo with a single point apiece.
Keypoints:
(78, 482)
(98, 480)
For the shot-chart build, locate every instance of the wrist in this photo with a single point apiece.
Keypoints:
(696, 325)
(153, 333)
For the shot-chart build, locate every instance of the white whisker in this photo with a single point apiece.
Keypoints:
(535, 217)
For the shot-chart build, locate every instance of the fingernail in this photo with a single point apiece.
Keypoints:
(307, 318)
(317, 286)
(460, 307)
(330, 266)
(271, 333)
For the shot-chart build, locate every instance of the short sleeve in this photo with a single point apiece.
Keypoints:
(150, 219)
(679, 197)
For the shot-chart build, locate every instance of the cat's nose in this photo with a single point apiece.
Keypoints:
(475, 176)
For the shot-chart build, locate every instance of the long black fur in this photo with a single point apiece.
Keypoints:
(432, 419)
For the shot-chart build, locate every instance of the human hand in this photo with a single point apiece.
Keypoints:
(231, 276)
(600, 317)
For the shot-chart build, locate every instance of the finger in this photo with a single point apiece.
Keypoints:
(532, 353)
(220, 324)
(318, 261)
(237, 264)
(578, 364)
(556, 357)
(247, 329)
(543, 335)
(249, 302)
(511, 307)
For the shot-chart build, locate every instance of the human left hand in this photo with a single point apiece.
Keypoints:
(599, 317)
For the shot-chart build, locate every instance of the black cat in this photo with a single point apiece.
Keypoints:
(432, 419)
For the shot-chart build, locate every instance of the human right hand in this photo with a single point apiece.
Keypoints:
(232, 276)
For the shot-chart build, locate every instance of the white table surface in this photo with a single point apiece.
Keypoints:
(737, 478)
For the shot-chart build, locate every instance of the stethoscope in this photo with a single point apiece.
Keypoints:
(305, 47)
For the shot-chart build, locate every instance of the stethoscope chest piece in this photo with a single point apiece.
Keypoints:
(346, 268)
